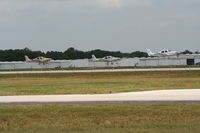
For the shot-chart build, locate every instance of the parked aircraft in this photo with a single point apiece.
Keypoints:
(38, 59)
(162, 53)
(105, 59)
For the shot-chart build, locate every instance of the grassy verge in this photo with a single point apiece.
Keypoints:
(100, 119)
(93, 83)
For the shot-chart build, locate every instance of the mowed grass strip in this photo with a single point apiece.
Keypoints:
(96, 83)
(178, 118)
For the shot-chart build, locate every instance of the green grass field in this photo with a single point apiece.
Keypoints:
(128, 118)
(93, 83)
(178, 118)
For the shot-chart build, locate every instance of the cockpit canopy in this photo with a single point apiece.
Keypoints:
(165, 51)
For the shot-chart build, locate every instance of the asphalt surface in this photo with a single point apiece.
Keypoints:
(191, 96)
(103, 70)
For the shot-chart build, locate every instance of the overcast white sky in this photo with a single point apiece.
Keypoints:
(124, 25)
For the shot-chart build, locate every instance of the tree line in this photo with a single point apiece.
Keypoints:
(69, 54)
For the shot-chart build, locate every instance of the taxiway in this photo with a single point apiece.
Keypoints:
(145, 97)
(100, 70)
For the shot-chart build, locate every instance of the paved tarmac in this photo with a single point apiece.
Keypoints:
(190, 96)
(101, 70)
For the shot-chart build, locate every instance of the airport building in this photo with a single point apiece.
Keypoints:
(124, 62)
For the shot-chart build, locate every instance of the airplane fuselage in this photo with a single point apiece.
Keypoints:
(38, 59)
(105, 59)
(162, 53)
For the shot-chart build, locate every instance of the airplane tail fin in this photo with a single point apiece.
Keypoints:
(27, 58)
(149, 52)
(94, 57)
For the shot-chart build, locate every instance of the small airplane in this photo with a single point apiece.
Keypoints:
(104, 59)
(162, 53)
(40, 59)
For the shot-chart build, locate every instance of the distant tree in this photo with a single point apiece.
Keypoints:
(18, 54)
(70, 53)
(102, 53)
(27, 49)
(186, 52)
(138, 54)
(55, 55)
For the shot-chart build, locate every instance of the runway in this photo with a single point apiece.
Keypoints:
(100, 70)
(190, 96)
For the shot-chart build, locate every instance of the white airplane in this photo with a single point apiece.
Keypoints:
(105, 59)
(40, 59)
(162, 53)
